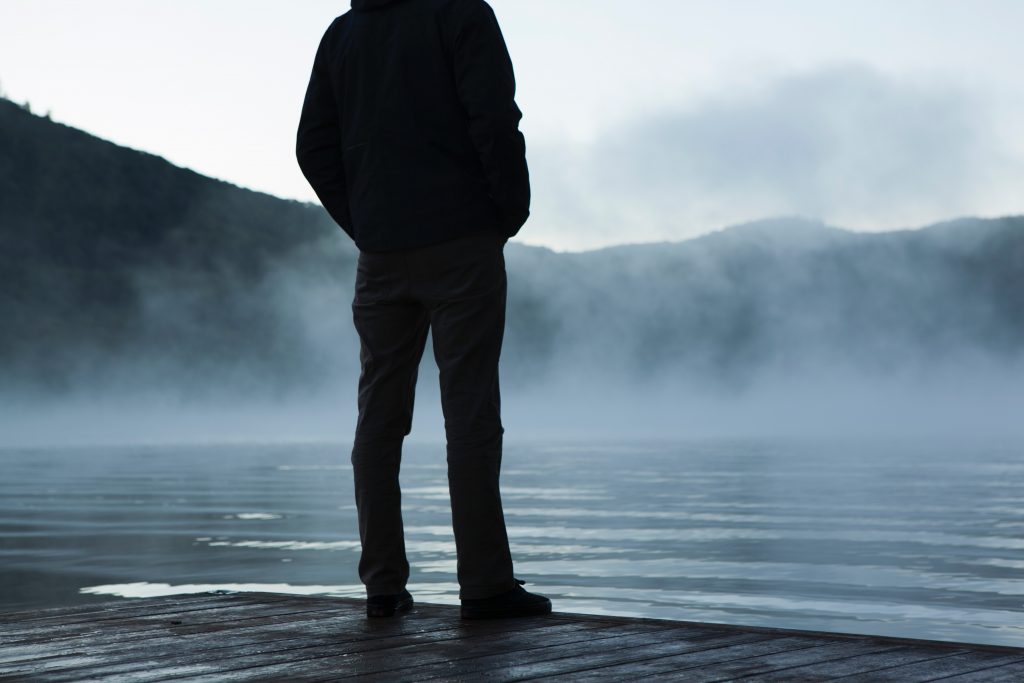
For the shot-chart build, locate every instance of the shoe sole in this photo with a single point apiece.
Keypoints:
(376, 612)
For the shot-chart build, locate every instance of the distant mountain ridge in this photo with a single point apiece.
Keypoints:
(118, 267)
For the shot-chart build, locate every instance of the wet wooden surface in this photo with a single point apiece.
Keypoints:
(260, 636)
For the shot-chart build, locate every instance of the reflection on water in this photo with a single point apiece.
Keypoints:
(891, 537)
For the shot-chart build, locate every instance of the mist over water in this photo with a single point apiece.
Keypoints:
(574, 408)
(783, 327)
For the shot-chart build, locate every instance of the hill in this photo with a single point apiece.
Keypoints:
(118, 268)
(107, 253)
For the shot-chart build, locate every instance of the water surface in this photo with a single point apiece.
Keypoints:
(907, 538)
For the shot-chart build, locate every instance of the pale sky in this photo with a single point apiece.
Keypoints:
(645, 120)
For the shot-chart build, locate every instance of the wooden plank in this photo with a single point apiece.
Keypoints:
(281, 664)
(865, 665)
(476, 657)
(114, 615)
(1003, 673)
(254, 602)
(787, 632)
(501, 665)
(328, 665)
(70, 613)
(245, 627)
(745, 667)
(292, 643)
(244, 630)
(257, 636)
(589, 663)
(143, 623)
(964, 662)
(758, 645)
(292, 636)
(126, 606)
(170, 612)
(590, 654)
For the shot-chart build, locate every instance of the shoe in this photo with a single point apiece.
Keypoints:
(514, 603)
(388, 605)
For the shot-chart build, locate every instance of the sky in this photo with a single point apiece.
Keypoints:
(645, 121)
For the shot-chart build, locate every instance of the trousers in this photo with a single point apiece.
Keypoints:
(457, 291)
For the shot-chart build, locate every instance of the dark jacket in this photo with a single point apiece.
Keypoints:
(410, 131)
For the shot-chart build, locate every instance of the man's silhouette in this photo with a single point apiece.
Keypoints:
(410, 137)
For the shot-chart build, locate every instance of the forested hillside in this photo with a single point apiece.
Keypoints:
(118, 268)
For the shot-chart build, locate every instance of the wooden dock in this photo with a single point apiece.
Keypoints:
(270, 637)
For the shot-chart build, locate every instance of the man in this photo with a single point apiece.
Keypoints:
(410, 138)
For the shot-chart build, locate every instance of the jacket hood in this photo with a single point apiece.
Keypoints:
(370, 4)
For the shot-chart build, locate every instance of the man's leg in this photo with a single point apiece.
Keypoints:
(392, 333)
(468, 327)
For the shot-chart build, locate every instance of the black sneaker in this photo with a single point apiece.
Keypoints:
(514, 603)
(388, 605)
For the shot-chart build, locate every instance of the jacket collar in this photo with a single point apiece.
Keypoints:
(370, 4)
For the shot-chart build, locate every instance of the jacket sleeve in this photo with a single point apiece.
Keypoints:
(486, 85)
(318, 143)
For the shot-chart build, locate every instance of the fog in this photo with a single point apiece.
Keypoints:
(846, 143)
(154, 304)
(778, 328)
(981, 401)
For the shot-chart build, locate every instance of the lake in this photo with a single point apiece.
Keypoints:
(896, 537)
